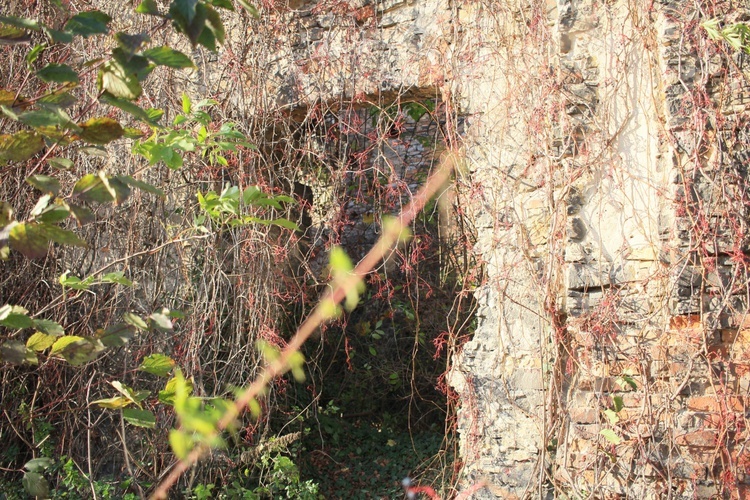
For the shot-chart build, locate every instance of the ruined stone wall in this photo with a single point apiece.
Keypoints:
(605, 154)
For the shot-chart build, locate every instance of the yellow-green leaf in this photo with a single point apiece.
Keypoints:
(20, 146)
(44, 183)
(181, 443)
(157, 364)
(610, 436)
(40, 341)
(102, 130)
(113, 403)
(63, 342)
(170, 389)
(15, 317)
(118, 81)
(28, 239)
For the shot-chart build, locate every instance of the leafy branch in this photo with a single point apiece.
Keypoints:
(346, 286)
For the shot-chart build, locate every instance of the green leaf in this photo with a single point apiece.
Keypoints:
(63, 342)
(38, 464)
(165, 56)
(132, 133)
(618, 403)
(155, 114)
(58, 73)
(16, 353)
(251, 194)
(117, 335)
(101, 130)
(341, 267)
(135, 320)
(297, 366)
(40, 205)
(186, 104)
(285, 223)
(183, 11)
(20, 146)
(610, 436)
(82, 214)
(131, 43)
(40, 341)
(60, 163)
(21, 22)
(10, 113)
(98, 151)
(34, 54)
(36, 485)
(86, 24)
(60, 235)
(148, 7)
(126, 106)
(114, 78)
(48, 118)
(181, 443)
(215, 27)
(143, 186)
(44, 183)
(167, 395)
(74, 282)
(53, 214)
(58, 99)
(254, 407)
(139, 418)
(116, 277)
(29, 239)
(627, 380)
(76, 350)
(198, 25)
(58, 36)
(157, 364)
(91, 188)
(49, 327)
(12, 35)
(251, 9)
(224, 4)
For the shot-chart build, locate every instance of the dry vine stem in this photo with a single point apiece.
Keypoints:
(390, 237)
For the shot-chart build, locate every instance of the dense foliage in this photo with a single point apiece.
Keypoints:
(140, 290)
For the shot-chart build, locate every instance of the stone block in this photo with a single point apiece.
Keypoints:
(698, 439)
(716, 403)
(581, 415)
(575, 252)
(586, 276)
(575, 229)
(528, 380)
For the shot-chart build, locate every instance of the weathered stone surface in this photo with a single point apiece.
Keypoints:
(606, 143)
